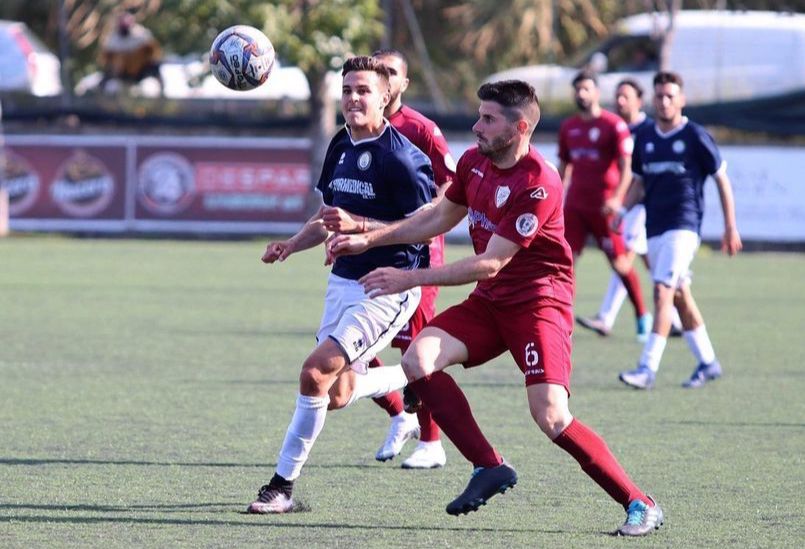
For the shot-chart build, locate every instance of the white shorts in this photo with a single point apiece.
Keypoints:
(361, 325)
(634, 229)
(670, 255)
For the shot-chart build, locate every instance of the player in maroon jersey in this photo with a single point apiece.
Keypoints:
(595, 152)
(427, 137)
(522, 302)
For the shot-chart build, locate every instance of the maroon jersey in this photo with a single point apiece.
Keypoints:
(426, 135)
(522, 204)
(593, 147)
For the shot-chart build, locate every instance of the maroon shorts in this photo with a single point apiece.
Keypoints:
(580, 223)
(411, 329)
(536, 334)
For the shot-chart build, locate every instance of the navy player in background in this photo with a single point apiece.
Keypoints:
(671, 162)
(376, 174)
(629, 104)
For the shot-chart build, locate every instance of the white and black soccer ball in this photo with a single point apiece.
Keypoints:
(241, 57)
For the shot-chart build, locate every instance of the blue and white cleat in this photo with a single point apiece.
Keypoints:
(702, 374)
(640, 378)
(644, 325)
(641, 519)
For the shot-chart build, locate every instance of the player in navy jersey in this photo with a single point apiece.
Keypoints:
(522, 301)
(595, 149)
(371, 171)
(671, 162)
(427, 136)
(629, 104)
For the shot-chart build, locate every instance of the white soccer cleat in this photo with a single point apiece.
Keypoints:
(426, 455)
(404, 427)
(271, 499)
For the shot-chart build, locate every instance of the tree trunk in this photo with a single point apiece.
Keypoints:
(668, 35)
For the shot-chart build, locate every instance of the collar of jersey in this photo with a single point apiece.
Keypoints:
(368, 139)
(672, 131)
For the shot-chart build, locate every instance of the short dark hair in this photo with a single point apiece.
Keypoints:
(517, 98)
(667, 77)
(391, 52)
(365, 63)
(585, 74)
(631, 82)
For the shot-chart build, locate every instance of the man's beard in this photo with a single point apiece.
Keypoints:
(498, 147)
(583, 105)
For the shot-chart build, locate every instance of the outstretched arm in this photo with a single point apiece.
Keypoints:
(731, 242)
(311, 234)
(388, 280)
(425, 224)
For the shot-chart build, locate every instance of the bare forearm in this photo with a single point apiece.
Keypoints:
(312, 234)
(727, 202)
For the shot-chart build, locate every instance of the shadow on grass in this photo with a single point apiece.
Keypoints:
(70, 461)
(710, 423)
(261, 521)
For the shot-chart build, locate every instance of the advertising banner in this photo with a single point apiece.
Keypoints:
(154, 184)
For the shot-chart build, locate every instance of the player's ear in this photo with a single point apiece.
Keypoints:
(522, 126)
(404, 85)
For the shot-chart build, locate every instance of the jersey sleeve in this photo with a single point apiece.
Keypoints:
(623, 139)
(444, 167)
(529, 207)
(707, 151)
(457, 192)
(412, 178)
(637, 155)
(323, 184)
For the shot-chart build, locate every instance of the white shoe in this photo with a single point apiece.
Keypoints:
(404, 426)
(427, 455)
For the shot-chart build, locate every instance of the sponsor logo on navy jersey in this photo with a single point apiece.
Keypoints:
(353, 186)
(664, 167)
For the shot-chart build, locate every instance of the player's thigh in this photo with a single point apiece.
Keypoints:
(433, 350)
(634, 230)
(609, 240)
(538, 338)
(670, 256)
(367, 327)
(575, 230)
(471, 329)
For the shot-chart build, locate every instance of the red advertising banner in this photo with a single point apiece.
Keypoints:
(155, 184)
(78, 182)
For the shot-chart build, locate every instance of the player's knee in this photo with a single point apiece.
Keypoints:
(552, 420)
(312, 381)
(339, 398)
(411, 365)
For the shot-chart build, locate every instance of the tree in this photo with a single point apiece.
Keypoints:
(318, 36)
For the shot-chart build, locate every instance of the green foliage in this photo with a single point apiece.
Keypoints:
(147, 385)
(318, 36)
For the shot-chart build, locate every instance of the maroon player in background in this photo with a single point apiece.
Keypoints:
(595, 153)
(522, 302)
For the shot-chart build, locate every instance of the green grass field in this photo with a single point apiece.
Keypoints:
(145, 388)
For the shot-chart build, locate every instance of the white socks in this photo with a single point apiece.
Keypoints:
(613, 301)
(652, 351)
(378, 382)
(700, 346)
(305, 426)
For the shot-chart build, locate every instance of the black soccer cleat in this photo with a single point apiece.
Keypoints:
(485, 483)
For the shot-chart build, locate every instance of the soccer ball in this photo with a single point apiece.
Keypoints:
(241, 57)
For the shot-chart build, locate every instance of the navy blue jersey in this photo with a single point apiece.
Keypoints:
(674, 167)
(386, 178)
(639, 125)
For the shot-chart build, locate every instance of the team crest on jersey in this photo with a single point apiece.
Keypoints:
(649, 147)
(365, 160)
(540, 193)
(594, 134)
(501, 195)
(341, 160)
(526, 224)
(678, 146)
